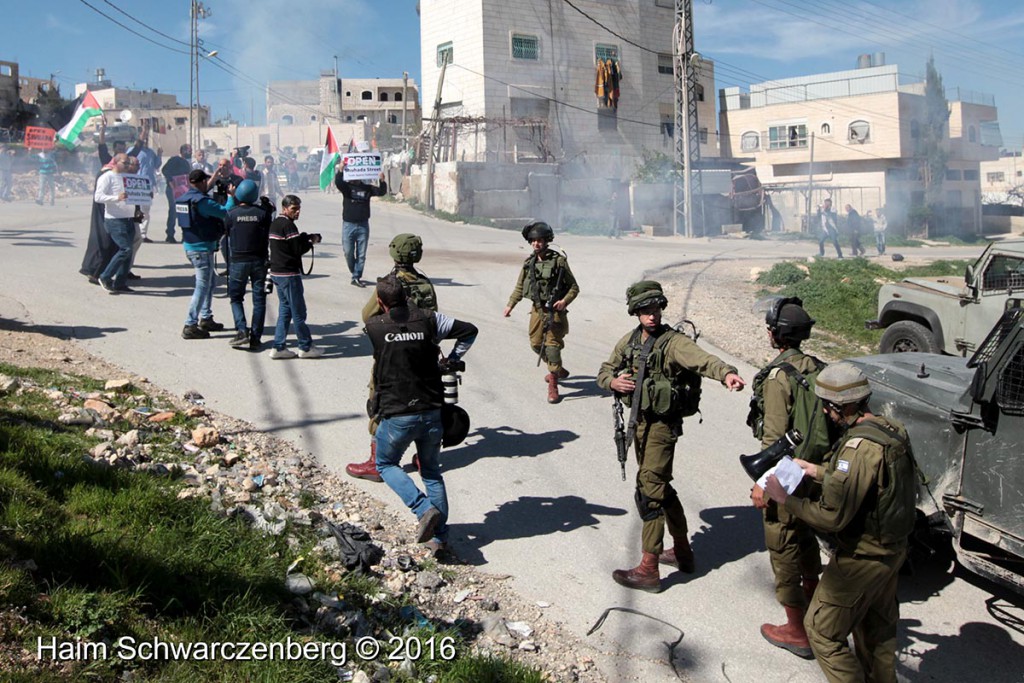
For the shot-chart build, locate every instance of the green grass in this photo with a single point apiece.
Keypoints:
(841, 295)
(98, 554)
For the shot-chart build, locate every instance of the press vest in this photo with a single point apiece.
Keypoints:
(666, 396)
(194, 226)
(248, 229)
(407, 378)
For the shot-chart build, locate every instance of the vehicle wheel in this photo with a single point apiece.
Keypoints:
(907, 335)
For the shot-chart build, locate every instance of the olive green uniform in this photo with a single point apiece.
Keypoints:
(657, 433)
(419, 291)
(867, 503)
(792, 545)
(536, 279)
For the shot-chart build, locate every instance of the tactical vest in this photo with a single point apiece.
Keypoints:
(545, 281)
(895, 511)
(407, 378)
(194, 226)
(806, 414)
(418, 288)
(666, 396)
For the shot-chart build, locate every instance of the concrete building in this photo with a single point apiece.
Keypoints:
(863, 126)
(1000, 176)
(523, 86)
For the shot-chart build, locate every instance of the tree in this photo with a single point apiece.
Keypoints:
(933, 151)
(52, 106)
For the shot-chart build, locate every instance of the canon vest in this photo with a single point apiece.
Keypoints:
(194, 226)
(407, 378)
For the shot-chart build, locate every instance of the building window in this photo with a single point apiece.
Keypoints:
(995, 177)
(665, 63)
(312, 117)
(398, 97)
(787, 135)
(604, 52)
(366, 95)
(361, 117)
(445, 53)
(287, 119)
(348, 93)
(954, 174)
(179, 120)
(392, 118)
(859, 132)
(383, 97)
(5, 70)
(826, 129)
(750, 142)
(971, 174)
(348, 117)
(972, 135)
(525, 47)
(700, 92)
(702, 135)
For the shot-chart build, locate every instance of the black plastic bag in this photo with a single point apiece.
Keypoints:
(357, 552)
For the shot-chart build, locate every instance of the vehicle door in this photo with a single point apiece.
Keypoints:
(997, 278)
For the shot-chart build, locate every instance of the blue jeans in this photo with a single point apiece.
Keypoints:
(880, 242)
(241, 273)
(172, 215)
(354, 237)
(46, 185)
(122, 233)
(199, 308)
(291, 307)
(392, 439)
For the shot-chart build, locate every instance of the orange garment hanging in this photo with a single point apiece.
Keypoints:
(601, 83)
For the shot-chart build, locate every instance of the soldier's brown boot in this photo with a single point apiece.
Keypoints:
(366, 470)
(791, 635)
(680, 557)
(553, 396)
(562, 373)
(645, 576)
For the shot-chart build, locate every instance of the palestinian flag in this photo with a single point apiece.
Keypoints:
(329, 161)
(86, 109)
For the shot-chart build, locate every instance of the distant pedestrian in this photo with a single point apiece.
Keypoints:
(854, 224)
(355, 217)
(175, 172)
(828, 228)
(6, 173)
(270, 185)
(119, 221)
(881, 224)
(47, 174)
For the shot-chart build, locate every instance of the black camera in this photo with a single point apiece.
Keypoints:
(268, 285)
(243, 151)
(448, 365)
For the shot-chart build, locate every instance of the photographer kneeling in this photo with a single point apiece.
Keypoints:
(407, 398)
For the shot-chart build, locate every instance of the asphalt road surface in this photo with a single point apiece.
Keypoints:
(535, 490)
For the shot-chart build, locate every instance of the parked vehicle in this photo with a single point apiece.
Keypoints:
(945, 315)
(966, 424)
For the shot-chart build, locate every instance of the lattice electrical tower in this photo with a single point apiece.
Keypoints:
(686, 132)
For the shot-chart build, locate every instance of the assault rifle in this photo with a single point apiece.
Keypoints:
(549, 312)
(620, 434)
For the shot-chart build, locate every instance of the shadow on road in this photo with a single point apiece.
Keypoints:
(582, 386)
(504, 442)
(527, 517)
(334, 339)
(979, 652)
(59, 331)
(448, 282)
(36, 238)
(726, 534)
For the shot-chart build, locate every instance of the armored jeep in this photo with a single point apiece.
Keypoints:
(966, 424)
(945, 315)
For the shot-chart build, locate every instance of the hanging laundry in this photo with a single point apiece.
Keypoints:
(601, 82)
(614, 78)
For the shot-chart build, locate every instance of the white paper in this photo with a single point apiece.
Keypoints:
(787, 472)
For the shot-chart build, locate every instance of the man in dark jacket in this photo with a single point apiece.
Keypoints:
(175, 172)
(248, 232)
(355, 217)
(202, 224)
(407, 399)
(287, 245)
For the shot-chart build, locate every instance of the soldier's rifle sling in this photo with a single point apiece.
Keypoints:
(641, 372)
(549, 312)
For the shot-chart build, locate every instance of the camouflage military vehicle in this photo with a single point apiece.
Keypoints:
(966, 423)
(945, 315)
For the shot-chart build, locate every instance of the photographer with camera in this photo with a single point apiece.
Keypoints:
(287, 245)
(248, 233)
(202, 224)
(407, 399)
(222, 188)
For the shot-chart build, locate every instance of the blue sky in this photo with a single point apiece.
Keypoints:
(978, 45)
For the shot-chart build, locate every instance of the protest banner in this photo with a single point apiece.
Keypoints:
(138, 189)
(39, 137)
(357, 166)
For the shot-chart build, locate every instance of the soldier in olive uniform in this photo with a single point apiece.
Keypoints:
(406, 250)
(546, 280)
(784, 399)
(867, 504)
(657, 372)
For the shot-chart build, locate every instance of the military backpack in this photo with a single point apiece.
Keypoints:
(418, 288)
(667, 397)
(806, 414)
(895, 513)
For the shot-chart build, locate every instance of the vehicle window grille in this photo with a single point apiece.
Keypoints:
(1005, 272)
(996, 336)
(1010, 388)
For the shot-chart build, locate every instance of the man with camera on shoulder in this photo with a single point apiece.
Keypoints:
(407, 398)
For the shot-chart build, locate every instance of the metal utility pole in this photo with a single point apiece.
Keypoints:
(810, 185)
(685, 62)
(405, 98)
(197, 11)
(434, 125)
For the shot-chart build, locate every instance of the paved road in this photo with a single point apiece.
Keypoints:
(535, 489)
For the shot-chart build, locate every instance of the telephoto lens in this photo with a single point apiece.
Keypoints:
(450, 382)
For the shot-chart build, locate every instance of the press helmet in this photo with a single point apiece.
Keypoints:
(538, 231)
(842, 383)
(788, 321)
(406, 248)
(247, 192)
(644, 293)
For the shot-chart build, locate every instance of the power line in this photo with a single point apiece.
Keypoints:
(617, 35)
(131, 30)
(141, 23)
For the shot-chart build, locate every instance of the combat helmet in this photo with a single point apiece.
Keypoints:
(842, 383)
(538, 231)
(406, 248)
(788, 321)
(644, 293)
(247, 192)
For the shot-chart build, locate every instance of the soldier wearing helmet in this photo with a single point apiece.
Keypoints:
(784, 399)
(546, 279)
(656, 371)
(865, 500)
(406, 250)
(247, 231)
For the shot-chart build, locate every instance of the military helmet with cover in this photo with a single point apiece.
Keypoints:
(788, 321)
(406, 248)
(842, 384)
(643, 294)
(247, 192)
(538, 231)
